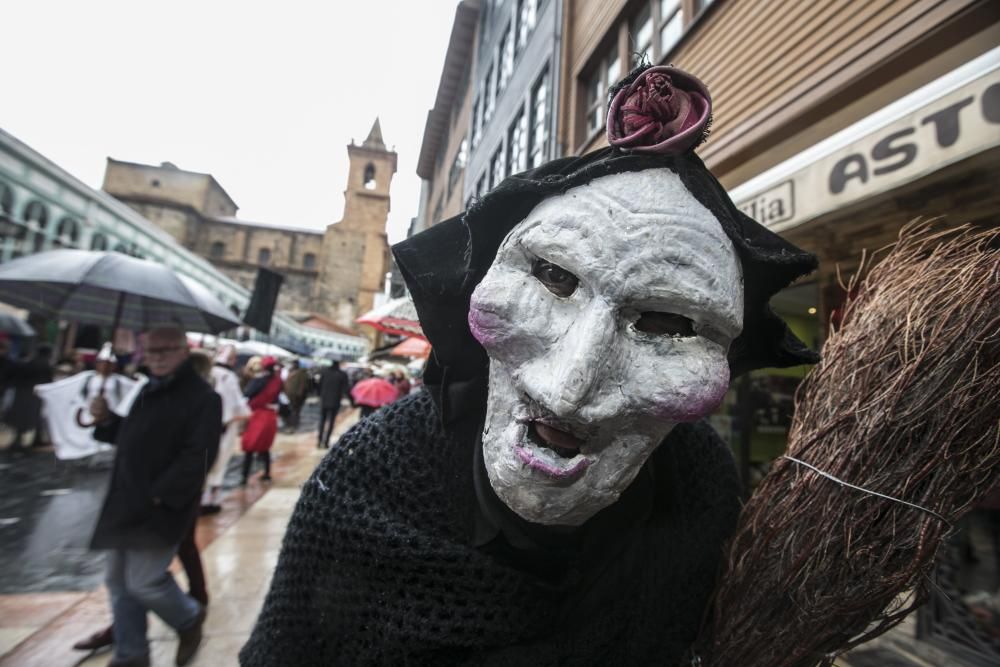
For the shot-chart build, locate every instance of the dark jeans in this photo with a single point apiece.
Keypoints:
(327, 419)
(138, 581)
(248, 461)
(190, 559)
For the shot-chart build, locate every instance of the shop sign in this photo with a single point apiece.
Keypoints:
(950, 124)
(772, 206)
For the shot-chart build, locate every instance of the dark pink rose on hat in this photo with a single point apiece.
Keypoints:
(664, 111)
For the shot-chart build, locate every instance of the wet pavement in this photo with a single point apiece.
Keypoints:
(50, 584)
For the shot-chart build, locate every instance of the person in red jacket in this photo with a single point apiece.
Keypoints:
(262, 395)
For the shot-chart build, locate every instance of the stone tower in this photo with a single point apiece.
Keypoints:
(355, 249)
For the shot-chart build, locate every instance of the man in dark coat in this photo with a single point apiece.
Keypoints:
(333, 387)
(165, 444)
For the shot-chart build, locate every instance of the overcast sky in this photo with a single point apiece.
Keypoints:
(263, 95)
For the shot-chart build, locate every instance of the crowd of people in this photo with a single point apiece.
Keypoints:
(174, 417)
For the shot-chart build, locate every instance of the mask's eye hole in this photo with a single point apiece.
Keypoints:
(665, 324)
(556, 279)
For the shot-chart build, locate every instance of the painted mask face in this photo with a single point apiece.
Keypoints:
(607, 316)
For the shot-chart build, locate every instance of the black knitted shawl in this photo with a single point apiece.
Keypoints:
(377, 566)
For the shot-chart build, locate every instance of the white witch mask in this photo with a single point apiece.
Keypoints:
(607, 316)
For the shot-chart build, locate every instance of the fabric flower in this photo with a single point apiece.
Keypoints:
(664, 111)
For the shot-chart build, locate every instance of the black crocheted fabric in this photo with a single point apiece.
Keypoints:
(378, 565)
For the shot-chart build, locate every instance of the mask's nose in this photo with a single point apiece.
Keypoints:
(567, 377)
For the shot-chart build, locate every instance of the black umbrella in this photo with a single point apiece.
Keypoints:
(15, 326)
(111, 289)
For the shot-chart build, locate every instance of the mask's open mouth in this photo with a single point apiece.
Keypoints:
(564, 444)
(552, 451)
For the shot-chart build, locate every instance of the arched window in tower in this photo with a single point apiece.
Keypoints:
(98, 242)
(370, 177)
(218, 250)
(263, 256)
(309, 261)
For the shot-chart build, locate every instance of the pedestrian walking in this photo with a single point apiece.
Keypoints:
(67, 402)
(334, 386)
(262, 393)
(234, 411)
(20, 408)
(296, 388)
(164, 446)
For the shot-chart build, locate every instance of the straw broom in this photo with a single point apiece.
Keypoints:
(896, 435)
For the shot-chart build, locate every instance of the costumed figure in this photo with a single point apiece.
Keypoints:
(234, 411)
(553, 497)
(262, 393)
(67, 401)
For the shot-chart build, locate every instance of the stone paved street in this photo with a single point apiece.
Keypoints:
(50, 585)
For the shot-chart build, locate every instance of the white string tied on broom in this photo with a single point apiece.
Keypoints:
(868, 491)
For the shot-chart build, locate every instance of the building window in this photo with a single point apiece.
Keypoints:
(481, 186)
(606, 75)
(6, 202)
(496, 167)
(68, 232)
(369, 181)
(505, 61)
(489, 96)
(517, 144)
(263, 256)
(641, 35)
(438, 211)
(36, 219)
(458, 165)
(527, 14)
(671, 25)
(98, 242)
(218, 250)
(538, 139)
(309, 261)
(476, 123)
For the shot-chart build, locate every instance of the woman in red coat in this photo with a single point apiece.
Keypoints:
(262, 394)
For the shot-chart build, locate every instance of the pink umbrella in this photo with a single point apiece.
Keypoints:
(374, 392)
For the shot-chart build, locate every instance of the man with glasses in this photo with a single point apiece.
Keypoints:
(165, 445)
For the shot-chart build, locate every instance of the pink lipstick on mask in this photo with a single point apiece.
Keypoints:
(565, 463)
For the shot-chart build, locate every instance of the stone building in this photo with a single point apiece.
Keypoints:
(43, 207)
(333, 273)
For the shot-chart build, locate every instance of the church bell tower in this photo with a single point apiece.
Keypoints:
(356, 249)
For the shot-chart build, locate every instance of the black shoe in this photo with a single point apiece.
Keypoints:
(265, 478)
(189, 640)
(97, 640)
(138, 661)
(209, 509)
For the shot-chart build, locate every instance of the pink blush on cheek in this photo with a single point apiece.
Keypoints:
(486, 327)
(698, 404)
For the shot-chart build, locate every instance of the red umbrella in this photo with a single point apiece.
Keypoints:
(374, 392)
(412, 347)
(397, 316)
